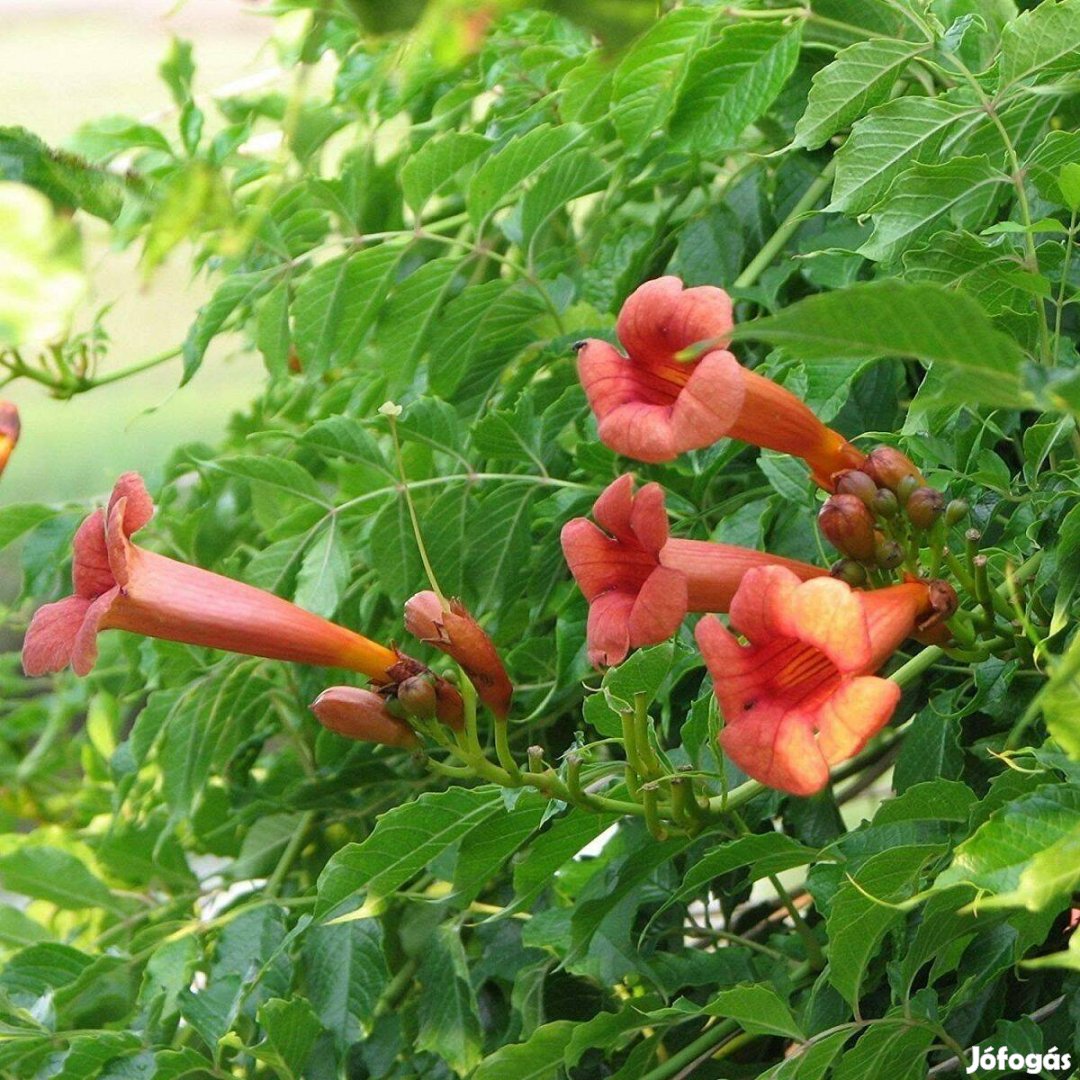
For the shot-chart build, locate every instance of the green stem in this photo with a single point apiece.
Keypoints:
(1059, 303)
(776, 242)
(288, 856)
(814, 956)
(503, 752)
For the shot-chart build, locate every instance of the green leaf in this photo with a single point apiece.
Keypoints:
(642, 672)
(273, 335)
(68, 182)
(489, 847)
(757, 1009)
(884, 143)
(1041, 44)
(448, 1014)
(392, 551)
(87, 1054)
(730, 84)
(649, 75)
(568, 177)
(324, 573)
(337, 303)
(540, 1057)
(47, 873)
(438, 162)
(345, 976)
(234, 294)
(810, 1061)
(861, 76)
(345, 437)
(501, 539)
(1060, 698)
(511, 165)
(894, 318)
(17, 520)
(893, 1048)
(403, 842)
(1002, 850)
(291, 1029)
(864, 908)
(277, 473)
(555, 847)
(926, 198)
(105, 137)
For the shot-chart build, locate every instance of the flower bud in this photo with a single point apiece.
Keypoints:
(885, 504)
(847, 524)
(943, 603)
(418, 697)
(9, 431)
(956, 511)
(361, 715)
(856, 482)
(887, 466)
(887, 553)
(849, 571)
(924, 506)
(458, 634)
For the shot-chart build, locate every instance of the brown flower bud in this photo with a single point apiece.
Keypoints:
(848, 525)
(458, 634)
(887, 466)
(417, 696)
(856, 482)
(361, 715)
(942, 602)
(924, 506)
(9, 431)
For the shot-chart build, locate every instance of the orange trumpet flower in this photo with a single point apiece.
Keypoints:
(639, 582)
(124, 587)
(801, 696)
(653, 405)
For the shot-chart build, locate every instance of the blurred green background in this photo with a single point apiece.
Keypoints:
(62, 63)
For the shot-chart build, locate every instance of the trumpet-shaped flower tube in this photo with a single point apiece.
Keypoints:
(639, 582)
(9, 431)
(801, 696)
(361, 715)
(458, 634)
(120, 586)
(653, 405)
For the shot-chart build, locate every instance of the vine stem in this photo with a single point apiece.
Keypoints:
(288, 856)
(776, 242)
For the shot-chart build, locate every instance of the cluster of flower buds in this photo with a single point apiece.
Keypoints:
(878, 509)
(801, 694)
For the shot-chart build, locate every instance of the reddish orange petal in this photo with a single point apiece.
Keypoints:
(90, 570)
(51, 635)
(608, 628)
(710, 403)
(614, 506)
(858, 710)
(760, 602)
(777, 748)
(138, 506)
(84, 651)
(661, 318)
(659, 608)
(829, 615)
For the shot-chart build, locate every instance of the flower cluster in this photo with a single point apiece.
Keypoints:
(118, 585)
(799, 693)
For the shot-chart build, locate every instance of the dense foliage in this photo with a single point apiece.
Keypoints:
(216, 886)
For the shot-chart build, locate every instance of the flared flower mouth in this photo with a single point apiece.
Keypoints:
(633, 600)
(799, 696)
(657, 401)
(639, 582)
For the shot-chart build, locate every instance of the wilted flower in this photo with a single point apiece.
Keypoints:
(661, 400)
(453, 630)
(800, 696)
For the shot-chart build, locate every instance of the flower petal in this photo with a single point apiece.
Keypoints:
(828, 614)
(90, 571)
(608, 628)
(614, 507)
(84, 651)
(51, 635)
(777, 747)
(138, 508)
(661, 318)
(761, 599)
(853, 714)
(710, 403)
(659, 608)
